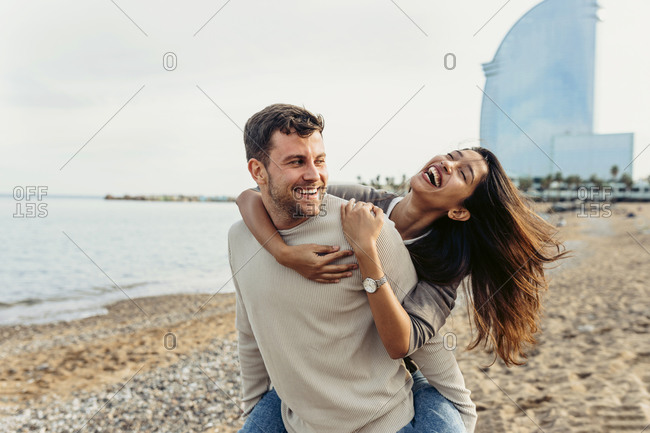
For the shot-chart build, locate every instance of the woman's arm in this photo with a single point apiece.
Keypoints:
(361, 228)
(312, 261)
(428, 306)
(423, 311)
(378, 197)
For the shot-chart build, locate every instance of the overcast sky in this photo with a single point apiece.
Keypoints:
(84, 73)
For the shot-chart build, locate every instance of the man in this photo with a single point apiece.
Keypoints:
(316, 344)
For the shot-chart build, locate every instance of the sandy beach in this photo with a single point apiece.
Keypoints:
(169, 363)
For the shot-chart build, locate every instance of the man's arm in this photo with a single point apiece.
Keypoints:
(255, 379)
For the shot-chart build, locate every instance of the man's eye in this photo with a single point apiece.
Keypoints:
(464, 177)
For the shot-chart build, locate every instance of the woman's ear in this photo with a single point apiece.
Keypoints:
(458, 214)
(258, 171)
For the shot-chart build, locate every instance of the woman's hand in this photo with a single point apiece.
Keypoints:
(362, 223)
(312, 261)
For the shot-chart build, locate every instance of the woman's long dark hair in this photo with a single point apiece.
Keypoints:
(503, 248)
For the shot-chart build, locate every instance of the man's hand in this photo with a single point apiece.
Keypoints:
(312, 261)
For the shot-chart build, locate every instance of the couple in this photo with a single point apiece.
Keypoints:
(327, 358)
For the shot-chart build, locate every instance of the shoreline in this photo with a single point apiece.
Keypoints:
(79, 361)
(113, 372)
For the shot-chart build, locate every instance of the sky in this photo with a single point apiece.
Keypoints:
(88, 106)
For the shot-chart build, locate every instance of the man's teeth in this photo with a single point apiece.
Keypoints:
(310, 191)
(434, 176)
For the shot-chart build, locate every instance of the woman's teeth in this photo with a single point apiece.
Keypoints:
(434, 177)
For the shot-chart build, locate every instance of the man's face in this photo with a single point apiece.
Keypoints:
(297, 176)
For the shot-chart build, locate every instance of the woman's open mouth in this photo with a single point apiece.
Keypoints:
(433, 176)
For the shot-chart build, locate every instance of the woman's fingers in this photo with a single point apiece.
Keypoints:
(336, 276)
(347, 208)
(322, 250)
(329, 258)
(338, 269)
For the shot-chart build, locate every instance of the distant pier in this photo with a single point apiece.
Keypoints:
(180, 198)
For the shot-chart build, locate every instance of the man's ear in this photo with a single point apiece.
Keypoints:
(258, 171)
(458, 214)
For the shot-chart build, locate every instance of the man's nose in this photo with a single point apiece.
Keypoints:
(311, 171)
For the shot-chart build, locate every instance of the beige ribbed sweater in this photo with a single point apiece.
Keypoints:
(317, 343)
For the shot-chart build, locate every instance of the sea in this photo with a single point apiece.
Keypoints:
(66, 258)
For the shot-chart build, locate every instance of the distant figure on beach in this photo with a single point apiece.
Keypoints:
(462, 216)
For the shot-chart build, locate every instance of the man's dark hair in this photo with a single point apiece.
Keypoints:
(285, 118)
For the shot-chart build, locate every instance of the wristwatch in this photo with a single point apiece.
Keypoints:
(370, 285)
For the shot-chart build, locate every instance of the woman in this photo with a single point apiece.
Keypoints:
(462, 217)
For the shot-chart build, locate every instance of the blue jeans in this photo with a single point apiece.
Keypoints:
(266, 416)
(433, 413)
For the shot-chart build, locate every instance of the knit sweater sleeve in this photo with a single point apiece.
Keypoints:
(378, 197)
(428, 306)
(254, 376)
(438, 364)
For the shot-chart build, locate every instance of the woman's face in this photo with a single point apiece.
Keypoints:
(447, 180)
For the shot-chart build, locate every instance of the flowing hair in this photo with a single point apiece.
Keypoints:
(503, 248)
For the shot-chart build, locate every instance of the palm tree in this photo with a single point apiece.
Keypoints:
(573, 180)
(525, 183)
(596, 180)
(614, 171)
(627, 180)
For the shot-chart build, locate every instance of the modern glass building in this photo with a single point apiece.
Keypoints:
(540, 85)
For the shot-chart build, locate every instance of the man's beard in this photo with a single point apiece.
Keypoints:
(287, 205)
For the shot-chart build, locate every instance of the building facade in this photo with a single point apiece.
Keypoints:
(539, 95)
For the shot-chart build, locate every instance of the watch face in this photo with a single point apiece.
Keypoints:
(369, 285)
